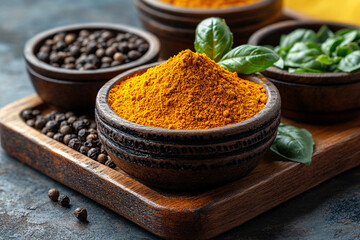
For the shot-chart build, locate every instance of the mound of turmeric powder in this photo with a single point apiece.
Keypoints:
(189, 91)
(208, 3)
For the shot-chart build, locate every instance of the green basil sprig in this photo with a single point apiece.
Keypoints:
(303, 50)
(214, 38)
(294, 144)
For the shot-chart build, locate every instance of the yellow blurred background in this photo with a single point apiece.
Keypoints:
(333, 10)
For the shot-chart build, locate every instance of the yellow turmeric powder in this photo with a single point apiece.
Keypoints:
(209, 3)
(189, 91)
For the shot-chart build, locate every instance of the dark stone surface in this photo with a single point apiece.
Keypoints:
(329, 211)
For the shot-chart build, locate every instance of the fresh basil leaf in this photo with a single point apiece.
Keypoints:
(323, 34)
(294, 144)
(213, 37)
(279, 63)
(248, 59)
(349, 37)
(329, 46)
(301, 54)
(337, 59)
(353, 46)
(307, 70)
(342, 51)
(351, 62)
(344, 31)
(298, 35)
(283, 51)
(319, 66)
(325, 59)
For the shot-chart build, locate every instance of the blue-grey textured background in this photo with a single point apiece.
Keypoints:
(329, 211)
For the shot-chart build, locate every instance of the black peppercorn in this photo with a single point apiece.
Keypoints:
(27, 114)
(50, 134)
(133, 55)
(81, 214)
(102, 158)
(64, 200)
(72, 119)
(52, 126)
(90, 143)
(60, 117)
(84, 150)
(69, 114)
(91, 136)
(53, 194)
(92, 153)
(82, 134)
(66, 129)
(69, 38)
(63, 123)
(58, 137)
(79, 124)
(35, 112)
(68, 137)
(75, 144)
(110, 163)
(40, 123)
(30, 122)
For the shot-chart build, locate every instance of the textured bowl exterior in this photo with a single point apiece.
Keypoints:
(186, 159)
(67, 95)
(311, 97)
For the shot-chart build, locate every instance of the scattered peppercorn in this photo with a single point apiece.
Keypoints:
(87, 50)
(53, 194)
(79, 133)
(81, 214)
(110, 163)
(64, 200)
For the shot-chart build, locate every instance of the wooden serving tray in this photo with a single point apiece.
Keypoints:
(198, 215)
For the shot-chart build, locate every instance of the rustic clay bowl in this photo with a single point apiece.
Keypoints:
(186, 159)
(73, 89)
(311, 97)
(175, 26)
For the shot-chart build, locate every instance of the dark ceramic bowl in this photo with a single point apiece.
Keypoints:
(311, 97)
(74, 89)
(186, 159)
(175, 26)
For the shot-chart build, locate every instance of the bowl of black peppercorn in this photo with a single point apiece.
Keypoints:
(68, 65)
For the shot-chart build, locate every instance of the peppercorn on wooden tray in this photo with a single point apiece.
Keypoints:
(202, 214)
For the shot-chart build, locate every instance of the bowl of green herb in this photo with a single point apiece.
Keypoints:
(318, 75)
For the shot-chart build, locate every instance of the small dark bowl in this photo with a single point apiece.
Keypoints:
(76, 90)
(311, 97)
(175, 26)
(186, 159)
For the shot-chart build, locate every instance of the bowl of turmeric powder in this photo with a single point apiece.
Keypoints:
(174, 21)
(322, 84)
(187, 123)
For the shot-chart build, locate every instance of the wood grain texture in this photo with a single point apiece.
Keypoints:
(198, 215)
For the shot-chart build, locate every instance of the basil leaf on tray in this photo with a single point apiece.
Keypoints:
(351, 62)
(294, 144)
(248, 59)
(214, 38)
